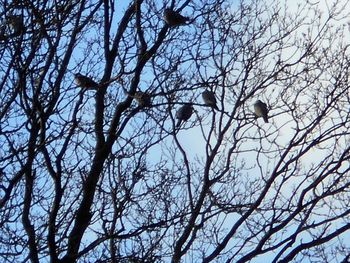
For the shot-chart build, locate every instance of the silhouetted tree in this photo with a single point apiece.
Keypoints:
(94, 169)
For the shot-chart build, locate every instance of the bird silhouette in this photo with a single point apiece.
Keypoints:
(173, 18)
(15, 23)
(84, 81)
(260, 109)
(184, 113)
(143, 99)
(209, 99)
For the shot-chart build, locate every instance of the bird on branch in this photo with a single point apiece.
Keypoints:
(260, 109)
(15, 22)
(84, 81)
(143, 99)
(173, 18)
(184, 113)
(209, 99)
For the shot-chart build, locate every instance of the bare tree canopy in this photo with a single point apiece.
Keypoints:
(130, 131)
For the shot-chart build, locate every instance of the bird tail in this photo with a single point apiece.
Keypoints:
(178, 123)
(265, 119)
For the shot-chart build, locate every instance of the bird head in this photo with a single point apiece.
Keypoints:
(167, 10)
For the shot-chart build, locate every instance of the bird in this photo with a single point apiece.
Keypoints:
(184, 113)
(173, 18)
(143, 99)
(84, 81)
(209, 99)
(15, 22)
(260, 109)
(2, 34)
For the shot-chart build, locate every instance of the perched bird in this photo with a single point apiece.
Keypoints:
(2, 34)
(143, 99)
(16, 25)
(84, 81)
(261, 110)
(184, 113)
(173, 18)
(209, 99)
